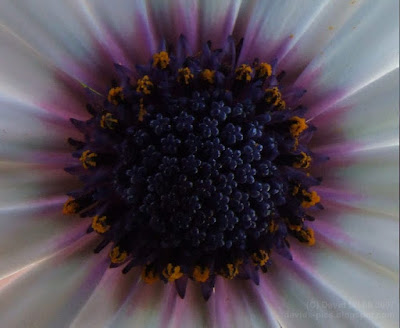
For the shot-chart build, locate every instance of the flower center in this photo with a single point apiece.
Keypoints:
(196, 168)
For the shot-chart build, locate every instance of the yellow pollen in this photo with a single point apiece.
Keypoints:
(294, 227)
(71, 206)
(184, 75)
(308, 236)
(108, 122)
(115, 95)
(201, 274)
(264, 70)
(310, 198)
(274, 97)
(273, 226)
(243, 73)
(142, 111)
(117, 256)
(99, 224)
(304, 162)
(298, 126)
(161, 60)
(208, 75)
(149, 275)
(295, 190)
(88, 159)
(172, 272)
(144, 85)
(260, 257)
(232, 270)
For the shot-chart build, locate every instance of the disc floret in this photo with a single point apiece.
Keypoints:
(196, 168)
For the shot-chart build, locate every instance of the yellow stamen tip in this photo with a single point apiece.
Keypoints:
(185, 75)
(294, 227)
(115, 95)
(161, 60)
(273, 226)
(310, 199)
(117, 256)
(144, 85)
(243, 73)
(201, 274)
(273, 97)
(232, 270)
(142, 111)
(99, 224)
(71, 206)
(298, 126)
(304, 162)
(88, 159)
(149, 275)
(108, 121)
(208, 75)
(260, 257)
(308, 236)
(264, 70)
(172, 272)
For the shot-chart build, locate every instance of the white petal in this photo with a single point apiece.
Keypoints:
(58, 33)
(26, 79)
(35, 229)
(273, 26)
(309, 292)
(123, 29)
(198, 21)
(355, 57)
(52, 292)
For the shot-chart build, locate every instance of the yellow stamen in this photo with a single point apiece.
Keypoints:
(274, 97)
(88, 159)
(161, 60)
(260, 257)
(264, 70)
(108, 122)
(184, 75)
(71, 206)
(294, 227)
(99, 224)
(273, 226)
(117, 256)
(310, 198)
(172, 272)
(142, 111)
(149, 275)
(232, 270)
(115, 95)
(144, 85)
(201, 274)
(308, 236)
(304, 162)
(298, 126)
(208, 75)
(295, 190)
(243, 73)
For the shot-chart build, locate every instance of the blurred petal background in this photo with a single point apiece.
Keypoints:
(345, 53)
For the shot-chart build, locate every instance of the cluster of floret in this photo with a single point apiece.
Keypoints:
(194, 166)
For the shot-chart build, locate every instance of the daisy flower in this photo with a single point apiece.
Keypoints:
(204, 147)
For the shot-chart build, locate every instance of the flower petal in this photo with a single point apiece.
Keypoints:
(123, 29)
(272, 26)
(58, 32)
(51, 292)
(34, 230)
(198, 21)
(348, 64)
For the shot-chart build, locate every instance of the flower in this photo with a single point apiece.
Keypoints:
(344, 53)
